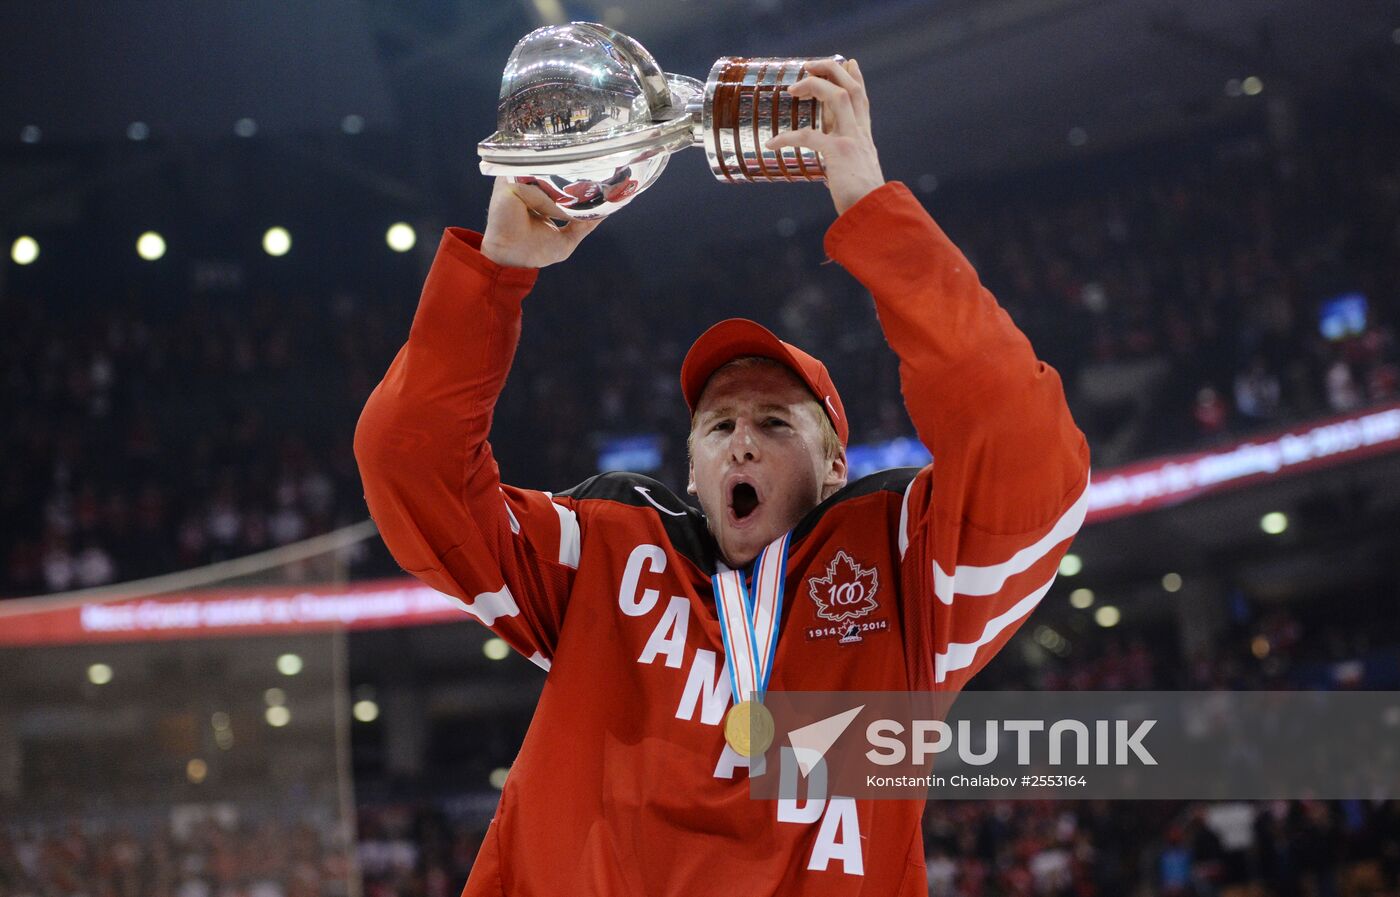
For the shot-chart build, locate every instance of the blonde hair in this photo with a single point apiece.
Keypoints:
(831, 443)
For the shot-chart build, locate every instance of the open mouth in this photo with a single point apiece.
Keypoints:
(744, 499)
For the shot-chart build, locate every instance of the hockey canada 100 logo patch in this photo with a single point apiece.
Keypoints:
(843, 596)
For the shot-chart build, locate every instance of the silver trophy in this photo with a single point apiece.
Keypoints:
(588, 116)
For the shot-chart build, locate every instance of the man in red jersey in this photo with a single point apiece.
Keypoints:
(629, 780)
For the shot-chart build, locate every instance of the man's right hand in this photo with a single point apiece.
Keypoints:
(519, 232)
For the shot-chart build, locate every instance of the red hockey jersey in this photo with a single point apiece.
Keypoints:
(624, 784)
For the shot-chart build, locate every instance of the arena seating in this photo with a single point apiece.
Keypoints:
(1176, 288)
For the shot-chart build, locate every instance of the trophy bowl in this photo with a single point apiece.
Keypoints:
(587, 115)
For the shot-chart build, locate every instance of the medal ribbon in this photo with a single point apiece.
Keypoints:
(749, 624)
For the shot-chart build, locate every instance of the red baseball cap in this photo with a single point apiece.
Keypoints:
(738, 337)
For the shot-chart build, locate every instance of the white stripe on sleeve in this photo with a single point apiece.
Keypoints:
(570, 537)
(514, 523)
(960, 655)
(488, 607)
(904, 519)
(969, 580)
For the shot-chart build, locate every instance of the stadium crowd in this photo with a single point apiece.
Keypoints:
(413, 839)
(1172, 849)
(1032, 848)
(975, 849)
(272, 858)
(1176, 289)
(143, 443)
(1262, 647)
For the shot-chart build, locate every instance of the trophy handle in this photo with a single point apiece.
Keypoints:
(745, 103)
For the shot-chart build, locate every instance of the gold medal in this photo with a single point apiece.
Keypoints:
(748, 727)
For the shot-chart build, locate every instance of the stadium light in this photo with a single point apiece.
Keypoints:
(1070, 565)
(274, 697)
(24, 250)
(1274, 522)
(401, 236)
(1252, 86)
(196, 770)
(277, 717)
(352, 124)
(496, 649)
(551, 12)
(277, 242)
(365, 710)
(1259, 646)
(1107, 616)
(289, 664)
(1051, 640)
(498, 777)
(1077, 136)
(1080, 599)
(223, 730)
(99, 674)
(150, 246)
(1172, 582)
(30, 134)
(138, 130)
(245, 127)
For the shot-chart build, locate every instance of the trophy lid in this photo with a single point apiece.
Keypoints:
(582, 90)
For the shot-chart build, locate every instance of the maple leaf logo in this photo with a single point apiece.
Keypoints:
(847, 592)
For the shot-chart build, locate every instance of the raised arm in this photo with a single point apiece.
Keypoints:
(984, 527)
(986, 524)
(506, 555)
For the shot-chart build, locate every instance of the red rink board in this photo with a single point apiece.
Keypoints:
(229, 612)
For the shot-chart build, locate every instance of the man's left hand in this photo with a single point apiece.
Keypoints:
(845, 142)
